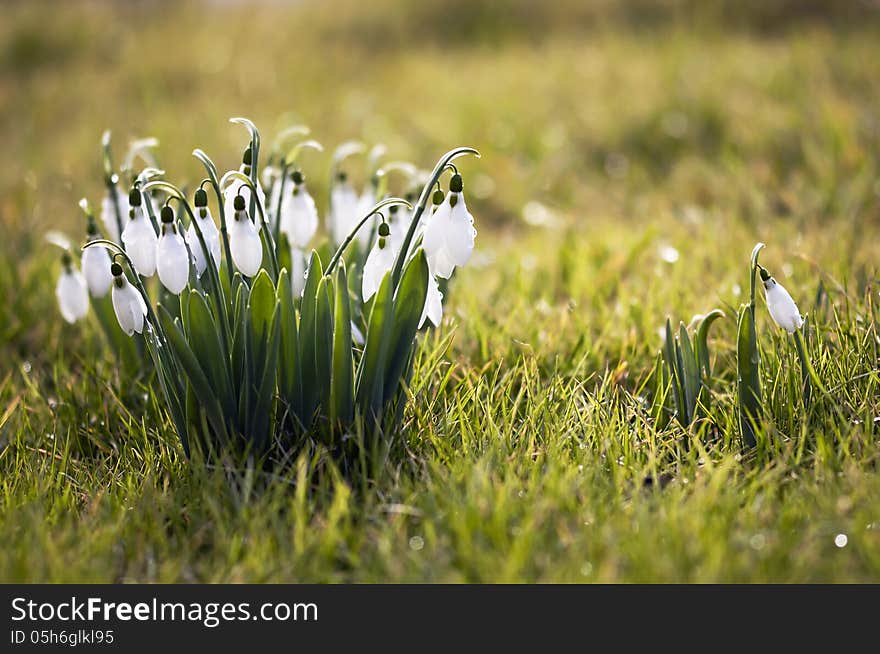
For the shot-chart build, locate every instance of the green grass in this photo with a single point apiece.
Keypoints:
(525, 453)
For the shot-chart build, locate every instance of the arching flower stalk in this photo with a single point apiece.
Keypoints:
(232, 192)
(139, 238)
(72, 292)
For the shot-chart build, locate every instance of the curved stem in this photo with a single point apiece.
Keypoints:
(215, 182)
(424, 197)
(348, 239)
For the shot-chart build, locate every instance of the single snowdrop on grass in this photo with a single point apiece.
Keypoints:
(72, 291)
(96, 264)
(299, 215)
(782, 308)
(172, 258)
(128, 304)
(449, 234)
(209, 232)
(139, 238)
(244, 240)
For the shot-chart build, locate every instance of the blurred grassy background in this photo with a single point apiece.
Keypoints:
(633, 152)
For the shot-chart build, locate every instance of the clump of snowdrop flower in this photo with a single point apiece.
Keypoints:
(782, 308)
(128, 303)
(72, 291)
(263, 342)
(139, 237)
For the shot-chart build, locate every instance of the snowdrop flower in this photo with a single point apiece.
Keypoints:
(244, 240)
(172, 258)
(379, 262)
(231, 192)
(108, 215)
(72, 292)
(128, 303)
(782, 308)
(299, 215)
(139, 238)
(96, 264)
(343, 209)
(433, 310)
(449, 234)
(209, 232)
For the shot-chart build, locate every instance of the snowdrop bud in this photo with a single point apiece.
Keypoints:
(244, 241)
(72, 292)
(782, 308)
(299, 215)
(96, 265)
(172, 258)
(449, 234)
(139, 238)
(433, 310)
(379, 262)
(128, 303)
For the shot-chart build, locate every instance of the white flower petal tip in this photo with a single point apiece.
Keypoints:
(245, 245)
(96, 269)
(433, 310)
(73, 295)
(129, 306)
(108, 217)
(172, 261)
(298, 272)
(139, 240)
(781, 306)
(449, 235)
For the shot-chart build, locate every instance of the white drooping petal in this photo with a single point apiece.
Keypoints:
(379, 262)
(108, 217)
(298, 272)
(433, 310)
(343, 211)
(212, 239)
(73, 295)
(449, 236)
(129, 307)
(245, 245)
(96, 269)
(140, 243)
(782, 308)
(240, 189)
(299, 216)
(172, 261)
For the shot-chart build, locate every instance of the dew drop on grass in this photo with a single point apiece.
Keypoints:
(416, 543)
(757, 542)
(26, 367)
(841, 540)
(587, 569)
(52, 402)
